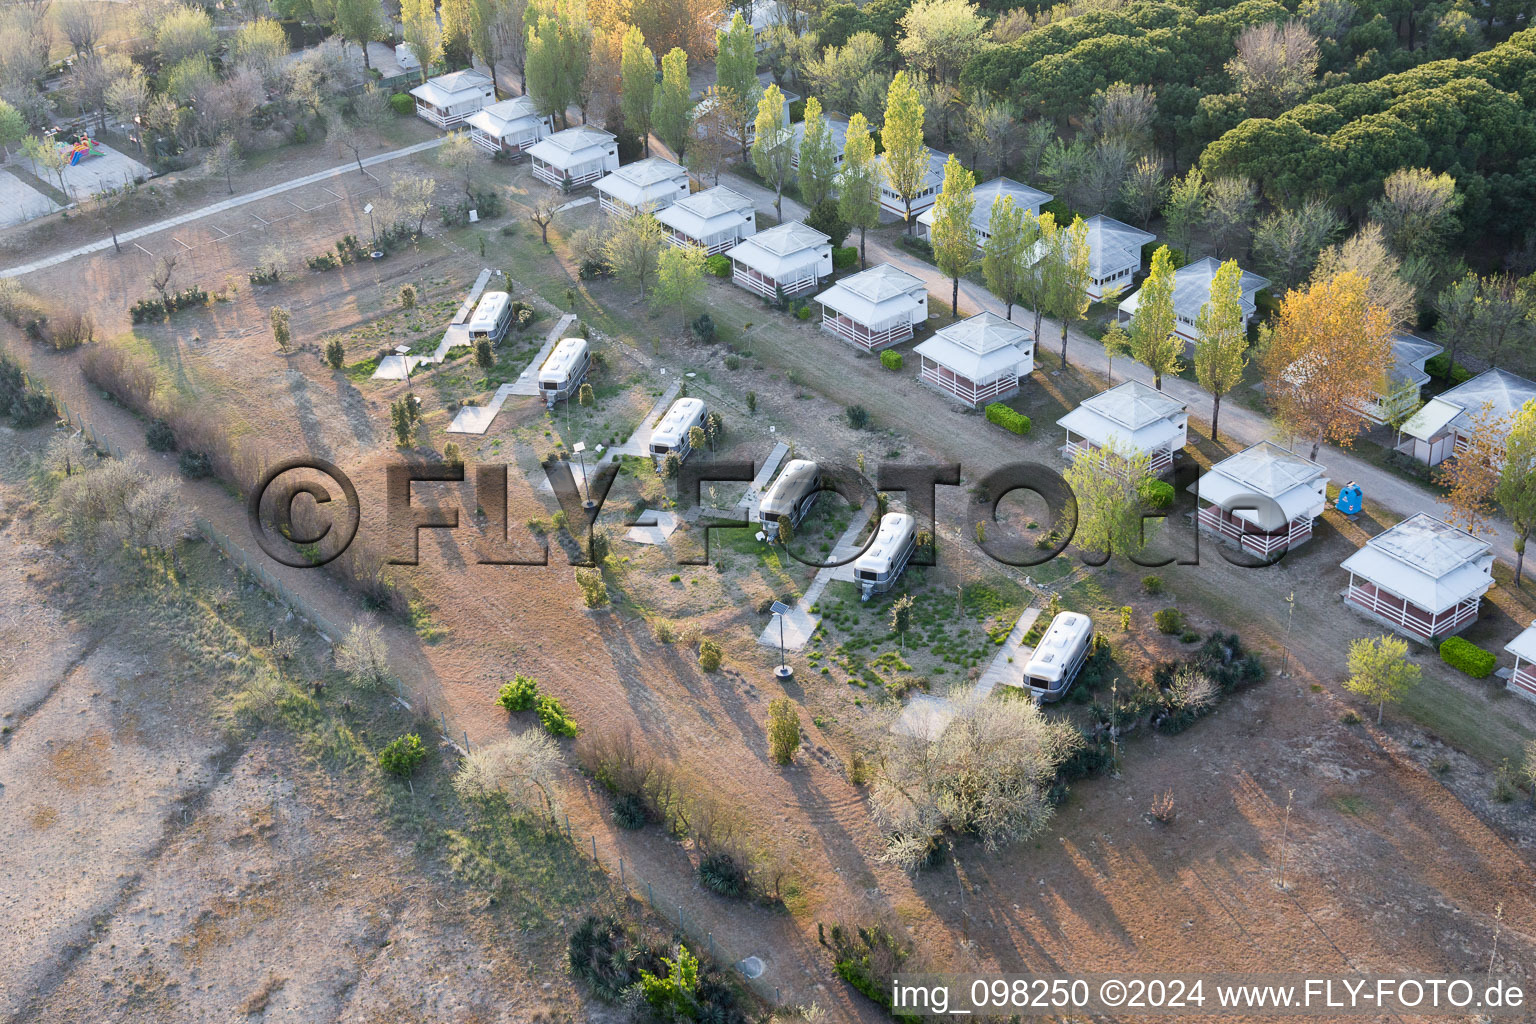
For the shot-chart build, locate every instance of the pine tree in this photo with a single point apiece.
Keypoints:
(954, 236)
(1153, 343)
(1222, 339)
(905, 162)
(858, 195)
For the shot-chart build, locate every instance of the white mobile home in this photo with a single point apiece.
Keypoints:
(790, 496)
(448, 99)
(574, 157)
(671, 434)
(510, 126)
(1446, 423)
(641, 187)
(980, 359)
(1114, 255)
(987, 195)
(874, 308)
(1191, 292)
(1425, 578)
(928, 192)
(1264, 499)
(1522, 679)
(1060, 656)
(882, 563)
(492, 315)
(714, 219)
(564, 370)
(1405, 381)
(839, 130)
(791, 257)
(1134, 417)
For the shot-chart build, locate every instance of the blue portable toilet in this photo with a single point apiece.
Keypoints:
(1350, 499)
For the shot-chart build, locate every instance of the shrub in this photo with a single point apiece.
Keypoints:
(553, 717)
(1152, 584)
(160, 437)
(891, 359)
(401, 755)
(65, 330)
(335, 353)
(403, 104)
(844, 257)
(783, 730)
(1169, 620)
(629, 811)
(710, 655)
(24, 405)
(858, 417)
(408, 296)
(126, 376)
(869, 959)
(719, 264)
(195, 465)
(602, 954)
(825, 218)
(1468, 657)
(703, 328)
(519, 694)
(593, 590)
(1440, 367)
(1008, 419)
(803, 313)
(722, 875)
(1155, 493)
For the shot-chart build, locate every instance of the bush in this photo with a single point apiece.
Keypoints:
(719, 264)
(519, 694)
(1169, 620)
(1468, 657)
(593, 589)
(335, 353)
(65, 330)
(553, 717)
(722, 875)
(629, 811)
(602, 954)
(825, 218)
(710, 655)
(1440, 368)
(891, 359)
(403, 104)
(845, 256)
(126, 376)
(160, 437)
(1152, 584)
(857, 416)
(703, 328)
(869, 959)
(401, 755)
(25, 406)
(1008, 419)
(1155, 493)
(195, 465)
(803, 313)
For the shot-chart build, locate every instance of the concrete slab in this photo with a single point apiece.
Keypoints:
(639, 442)
(576, 204)
(655, 526)
(1001, 670)
(20, 202)
(801, 622)
(95, 173)
(527, 382)
(475, 419)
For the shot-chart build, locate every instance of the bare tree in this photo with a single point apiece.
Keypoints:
(413, 194)
(1124, 113)
(364, 658)
(222, 159)
(1275, 65)
(542, 211)
(520, 769)
(1366, 254)
(160, 277)
(1229, 213)
(345, 138)
(82, 24)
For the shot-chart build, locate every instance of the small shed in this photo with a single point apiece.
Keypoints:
(987, 195)
(574, 157)
(977, 360)
(875, 307)
(714, 219)
(509, 127)
(1446, 423)
(1424, 577)
(1405, 380)
(448, 99)
(1522, 680)
(645, 185)
(927, 195)
(1191, 292)
(1263, 499)
(1135, 417)
(791, 257)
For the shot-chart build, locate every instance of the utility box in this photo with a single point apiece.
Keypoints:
(1350, 499)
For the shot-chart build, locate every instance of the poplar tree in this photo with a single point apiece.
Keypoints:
(423, 34)
(905, 161)
(670, 104)
(817, 161)
(736, 71)
(771, 149)
(858, 196)
(1153, 343)
(637, 88)
(1003, 253)
(954, 236)
(1040, 231)
(1222, 342)
(1068, 277)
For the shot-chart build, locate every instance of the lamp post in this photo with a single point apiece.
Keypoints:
(372, 231)
(579, 447)
(784, 671)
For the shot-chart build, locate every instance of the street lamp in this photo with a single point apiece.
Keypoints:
(579, 447)
(784, 671)
(371, 230)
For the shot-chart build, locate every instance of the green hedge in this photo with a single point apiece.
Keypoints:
(845, 256)
(719, 264)
(891, 359)
(1467, 656)
(1440, 367)
(1015, 422)
(402, 103)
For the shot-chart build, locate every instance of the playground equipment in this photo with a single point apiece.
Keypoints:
(83, 147)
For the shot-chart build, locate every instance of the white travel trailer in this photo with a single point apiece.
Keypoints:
(564, 370)
(672, 432)
(1060, 657)
(491, 317)
(882, 563)
(791, 496)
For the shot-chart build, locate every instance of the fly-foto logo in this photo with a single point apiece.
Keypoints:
(308, 534)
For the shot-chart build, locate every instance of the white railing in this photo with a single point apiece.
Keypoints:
(1160, 461)
(1400, 612)
(1213, 518)
(968, 391)
(869, 338)
(767, 286)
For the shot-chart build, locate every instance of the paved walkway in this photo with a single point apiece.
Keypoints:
(801, 622)
(639, 442)
(219, 207)
(476, 419)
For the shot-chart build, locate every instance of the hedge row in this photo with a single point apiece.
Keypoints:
(891, 359)
(1015, 422)
(1467, 656)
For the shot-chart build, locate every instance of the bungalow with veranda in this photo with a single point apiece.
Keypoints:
(1522, 679)
(702, 108)
(713, 220)
(509, 127)
(1405, 380)
(1191, 292)
(643, 186)
(1446, 423)
(875, 307)
(1424, 578)
(791, 258)
(985, 196)
(448, 99)
(1135, 418)
(1263, 499)
(574, 157)
(979, 359)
